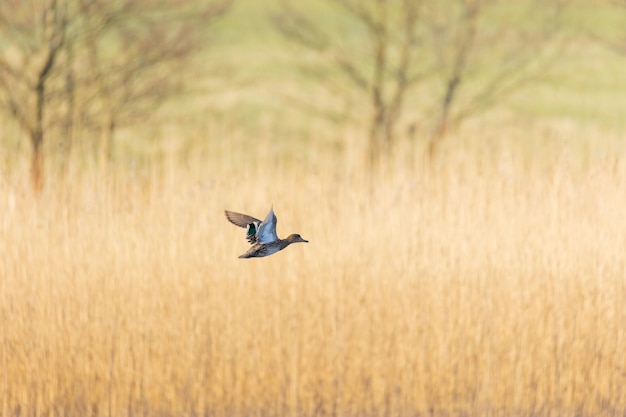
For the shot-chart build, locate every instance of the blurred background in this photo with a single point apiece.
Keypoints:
(125, 84)
(457, 166)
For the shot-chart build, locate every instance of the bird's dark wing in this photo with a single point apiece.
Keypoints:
(243, 220)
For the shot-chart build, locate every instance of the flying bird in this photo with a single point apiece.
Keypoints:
(261, 234)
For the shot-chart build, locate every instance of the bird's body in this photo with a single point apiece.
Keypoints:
(261, 234)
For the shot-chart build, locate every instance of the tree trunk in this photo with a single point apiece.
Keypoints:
(106, 135)
(442, 124)
(375, 139)
(36, 136)
(36, 163)
(67, 144)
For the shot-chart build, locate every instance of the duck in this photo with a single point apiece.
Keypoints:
(262, 234)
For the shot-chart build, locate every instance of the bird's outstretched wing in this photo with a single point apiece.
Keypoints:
(251, 224)
(267, 229)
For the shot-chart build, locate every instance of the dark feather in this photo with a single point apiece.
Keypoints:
(241, 220)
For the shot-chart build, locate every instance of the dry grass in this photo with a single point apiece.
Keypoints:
(485, 288)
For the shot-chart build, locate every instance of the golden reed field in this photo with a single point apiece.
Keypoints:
(492, 283)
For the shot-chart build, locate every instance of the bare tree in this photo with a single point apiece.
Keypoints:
(390, 67)
(70, 66)
(152, 41)
(471, 52)
(26, 66)
(482, 57)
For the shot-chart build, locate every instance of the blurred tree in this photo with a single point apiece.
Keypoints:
(486, 49)
(31, 44)
(391, 67)
(471, 53)
(69, 66)
(136, 53)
